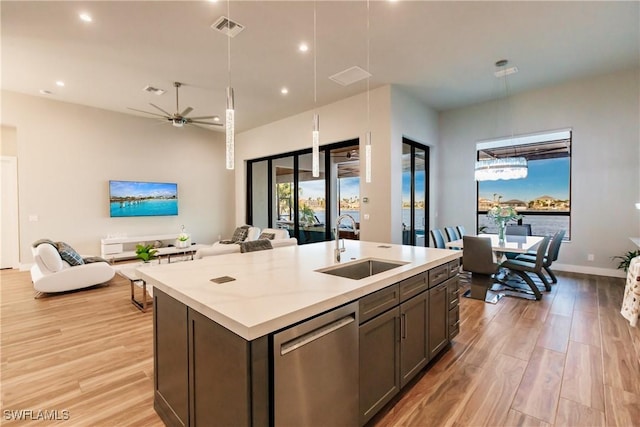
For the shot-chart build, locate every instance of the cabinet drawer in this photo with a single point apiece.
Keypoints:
(454, 321)
(438, 275)
(454, 267)
(453, 291)
(378, 302)
(413, 286)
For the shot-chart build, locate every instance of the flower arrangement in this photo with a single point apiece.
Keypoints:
(501, 215)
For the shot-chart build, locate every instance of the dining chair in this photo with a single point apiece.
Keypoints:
(550, 257)
(452, 234)
(461, 230)
(523, 269)
(477, 259)
(516, 230)
(437, 238)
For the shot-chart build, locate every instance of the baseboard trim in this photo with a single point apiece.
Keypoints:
(597, 271)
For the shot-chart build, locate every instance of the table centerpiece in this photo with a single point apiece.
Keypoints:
(501, 215)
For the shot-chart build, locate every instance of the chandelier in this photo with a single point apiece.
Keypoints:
(505, 168)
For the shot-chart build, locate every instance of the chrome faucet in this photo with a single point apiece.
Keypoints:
(339, 249)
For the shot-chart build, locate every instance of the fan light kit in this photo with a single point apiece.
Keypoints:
(178, 119)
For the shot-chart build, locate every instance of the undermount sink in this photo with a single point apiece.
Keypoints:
(361, 269)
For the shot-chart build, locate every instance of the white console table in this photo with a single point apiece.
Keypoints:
(119, 248)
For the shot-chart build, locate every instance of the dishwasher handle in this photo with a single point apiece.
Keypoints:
(316, 334)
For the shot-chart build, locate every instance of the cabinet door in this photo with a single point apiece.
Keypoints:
(219, 363)
(438, 310)
(171, 377)
(414, 352)
(379, 362)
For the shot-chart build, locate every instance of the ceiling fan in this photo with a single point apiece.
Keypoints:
(180, 119)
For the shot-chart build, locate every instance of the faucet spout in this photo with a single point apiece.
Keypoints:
(339, 249)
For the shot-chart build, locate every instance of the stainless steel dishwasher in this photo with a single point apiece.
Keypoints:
(316, 371)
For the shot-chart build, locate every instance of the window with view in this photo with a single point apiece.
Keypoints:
(543, 198)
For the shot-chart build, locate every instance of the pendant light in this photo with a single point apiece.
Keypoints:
(315, 133)
(230, 113)
(504, 168)
(367, 146)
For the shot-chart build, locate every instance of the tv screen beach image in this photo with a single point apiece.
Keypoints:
(132, 198)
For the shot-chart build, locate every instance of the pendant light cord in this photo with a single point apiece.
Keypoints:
(315, 54)
(228, 45)
(368, 71)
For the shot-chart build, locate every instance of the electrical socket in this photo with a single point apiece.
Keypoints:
(590, 257)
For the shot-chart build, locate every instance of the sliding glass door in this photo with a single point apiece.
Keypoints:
(283, 193)
(415, 193)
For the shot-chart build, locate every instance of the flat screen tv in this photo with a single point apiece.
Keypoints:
(135, 198)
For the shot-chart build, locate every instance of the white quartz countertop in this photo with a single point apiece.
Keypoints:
(276, 288)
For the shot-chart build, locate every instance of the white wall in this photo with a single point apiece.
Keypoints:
(67, 153)
(604, 114)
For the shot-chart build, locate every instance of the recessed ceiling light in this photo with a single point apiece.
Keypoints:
(216, 118)
(60, 83)
(303, 47)
(45, 92)
(284, 91)
(85, 17)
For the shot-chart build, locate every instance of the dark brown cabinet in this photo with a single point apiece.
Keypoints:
(414, 353)
(205, 374)
(438, 311)
(379, 362)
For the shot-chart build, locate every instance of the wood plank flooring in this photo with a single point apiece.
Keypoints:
(568, 360)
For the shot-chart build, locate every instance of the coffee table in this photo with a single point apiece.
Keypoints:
(130, 272)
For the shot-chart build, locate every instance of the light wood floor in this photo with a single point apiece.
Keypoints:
(568, 360)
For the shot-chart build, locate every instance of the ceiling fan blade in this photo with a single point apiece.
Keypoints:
(186, 111)
(155, 106)
(204, 123)
(147, 112)
(203, 117)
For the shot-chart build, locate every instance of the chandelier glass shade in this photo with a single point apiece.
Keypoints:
(505, 168)
(230, 130)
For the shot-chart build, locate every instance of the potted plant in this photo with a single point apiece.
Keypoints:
(146, 252)
(625, 260)
(183, 238)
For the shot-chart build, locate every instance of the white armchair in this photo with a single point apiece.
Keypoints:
(50, 273)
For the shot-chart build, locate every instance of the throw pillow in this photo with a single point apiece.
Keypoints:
(240, 234)
(255, 245)
(268, 236)
(68, 254)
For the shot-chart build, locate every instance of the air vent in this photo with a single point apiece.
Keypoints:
(350, 76)
(153, 90)
(227, 26)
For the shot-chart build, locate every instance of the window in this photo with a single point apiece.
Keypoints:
(544, 196)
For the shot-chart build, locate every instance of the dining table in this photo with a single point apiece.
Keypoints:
(512, 243)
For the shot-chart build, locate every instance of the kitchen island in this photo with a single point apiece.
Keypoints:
(230, 330)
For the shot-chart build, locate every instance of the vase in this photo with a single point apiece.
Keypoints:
(502, 225)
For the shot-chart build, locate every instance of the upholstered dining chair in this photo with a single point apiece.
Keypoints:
(461, 230)
(516, 230)
(437, 238)
(477, 259)
(524, 268)
(452, 234)
(551, 256)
